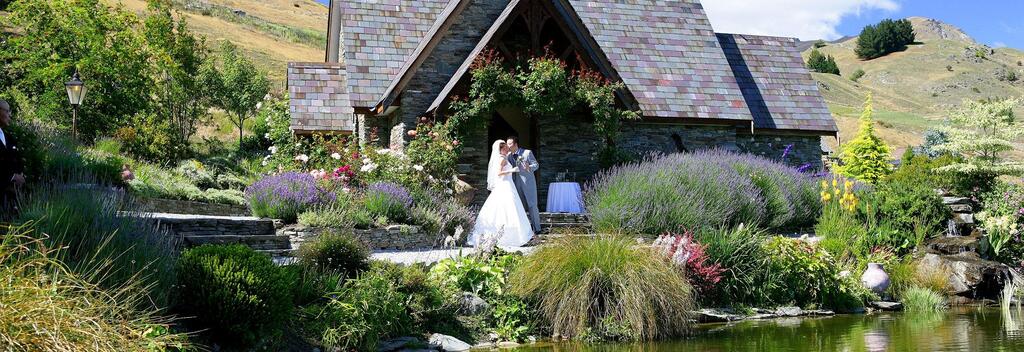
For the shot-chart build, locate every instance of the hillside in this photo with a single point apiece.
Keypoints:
(271, 32)
(916, 88)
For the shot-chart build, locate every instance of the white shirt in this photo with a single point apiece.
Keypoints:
(3, 138)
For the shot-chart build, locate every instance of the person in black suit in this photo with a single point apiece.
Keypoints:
(12, 167)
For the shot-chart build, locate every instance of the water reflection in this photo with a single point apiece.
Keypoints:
(964, 329)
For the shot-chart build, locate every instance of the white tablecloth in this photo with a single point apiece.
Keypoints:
(565, 197)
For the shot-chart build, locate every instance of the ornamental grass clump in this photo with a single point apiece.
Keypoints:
(284, 196)
(702, 189)
(606, 286)
(46, 306)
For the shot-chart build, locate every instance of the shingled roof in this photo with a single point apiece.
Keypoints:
(667, 54)
(379, 36)
(319, 99)
(778, 89)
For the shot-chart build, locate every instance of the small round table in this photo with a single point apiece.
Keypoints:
(565, 197)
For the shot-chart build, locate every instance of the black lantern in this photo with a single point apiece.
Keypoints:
(76, 93)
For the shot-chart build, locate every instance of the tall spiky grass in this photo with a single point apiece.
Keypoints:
(45, 306)
(97, 242)
(920, 299)
(604, 284)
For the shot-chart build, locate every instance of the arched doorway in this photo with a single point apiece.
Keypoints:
(510, 121)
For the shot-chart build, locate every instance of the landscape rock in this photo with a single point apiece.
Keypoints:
(448, 343)
(471, 304)
(396, 344)
(970, 276)
(788, 311)
(714, 315)
(952, 245)
(955, 200)
(961, 208)
(886, 306)
(963, 219)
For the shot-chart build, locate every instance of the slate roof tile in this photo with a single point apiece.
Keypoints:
(319, 97)
(777, 87)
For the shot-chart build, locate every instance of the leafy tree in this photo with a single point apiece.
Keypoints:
(237, 87)
(866, 157)
(181, 96)
(56, 37)
(818, 62)
(883, 38)
(981, 131)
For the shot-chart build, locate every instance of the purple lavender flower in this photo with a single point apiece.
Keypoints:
(785, 153)
(389, 200)
(284, 196)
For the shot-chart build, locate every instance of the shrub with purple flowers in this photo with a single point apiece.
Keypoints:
(283, 196)
(703, 189)
(387, 201)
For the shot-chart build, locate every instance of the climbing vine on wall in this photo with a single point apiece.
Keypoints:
(543, 87)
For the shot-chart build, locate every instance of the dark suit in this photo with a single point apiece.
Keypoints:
(11, 163)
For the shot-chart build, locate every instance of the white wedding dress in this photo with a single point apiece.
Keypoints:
(503, 218)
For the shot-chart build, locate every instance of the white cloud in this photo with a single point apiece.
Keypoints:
(804, 19)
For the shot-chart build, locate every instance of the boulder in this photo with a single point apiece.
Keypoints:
(970, 276)
(464, 192)
(955, 200)
(963, 219)
(789, 311)
(448, 343)
(471, 304)
(886, 306)
(961, 208)
(396, 344)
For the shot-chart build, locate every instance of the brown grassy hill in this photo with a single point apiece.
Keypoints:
(271, 32)
(916, 88)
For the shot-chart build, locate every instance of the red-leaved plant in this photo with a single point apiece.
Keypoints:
(688, 255)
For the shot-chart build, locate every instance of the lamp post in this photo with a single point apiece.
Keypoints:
(76, 92)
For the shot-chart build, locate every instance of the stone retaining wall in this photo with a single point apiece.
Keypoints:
(171, 206)
(394, 237)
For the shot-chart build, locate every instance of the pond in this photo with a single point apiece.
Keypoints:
(962, 329)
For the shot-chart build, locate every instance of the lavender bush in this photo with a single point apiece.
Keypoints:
(284, 196)
(700, 190)
(388, 200)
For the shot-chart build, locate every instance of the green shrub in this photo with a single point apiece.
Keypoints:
(484, 276)
(844, 232)
(331, 215)
(47, 307)
(511, 318)
(1003, 220)
(364, 312)
(857, 75)
(806, 274)
(883, 38)
(902, 215)
(97, 243)
(311, 284)
(822, 63)
(605, 284)
(235, 292)
(337, 252)
(427, 303)
(919, 299)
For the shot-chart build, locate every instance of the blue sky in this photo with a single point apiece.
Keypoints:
(992, 22)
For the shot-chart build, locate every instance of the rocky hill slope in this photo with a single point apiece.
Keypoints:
(916, 88)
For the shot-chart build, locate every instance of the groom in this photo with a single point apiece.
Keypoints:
(524, 179)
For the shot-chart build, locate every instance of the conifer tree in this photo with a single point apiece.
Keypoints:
(866, 157)
(818, 62)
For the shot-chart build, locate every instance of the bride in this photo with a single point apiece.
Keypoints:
(503, 215)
